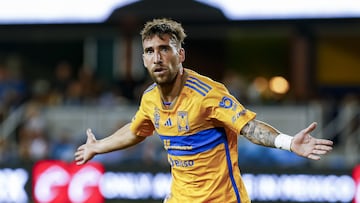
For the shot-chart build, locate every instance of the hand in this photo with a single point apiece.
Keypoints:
(303, 144)
(85, 152)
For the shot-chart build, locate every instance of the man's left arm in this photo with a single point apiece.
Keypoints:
(302, 144)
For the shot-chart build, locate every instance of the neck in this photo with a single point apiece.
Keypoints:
(171, 91)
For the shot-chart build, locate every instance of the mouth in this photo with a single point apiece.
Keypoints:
(159, 70)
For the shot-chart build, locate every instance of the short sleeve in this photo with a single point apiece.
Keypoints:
(141, 124)
(226, 111)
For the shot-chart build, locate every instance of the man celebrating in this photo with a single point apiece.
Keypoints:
(198, 121)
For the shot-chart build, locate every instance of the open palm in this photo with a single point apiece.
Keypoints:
(307, 146)
(84, 153)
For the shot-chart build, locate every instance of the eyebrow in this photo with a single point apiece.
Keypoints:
(164, 46)
(160, 47)
(148, 49)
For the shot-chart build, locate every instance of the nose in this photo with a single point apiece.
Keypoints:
(157, 57)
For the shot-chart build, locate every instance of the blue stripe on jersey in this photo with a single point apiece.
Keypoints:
(151, 87)
(196, 89)
(201, 82)
(194, 144)
(232, 178)
(198, 85)
(201, 142)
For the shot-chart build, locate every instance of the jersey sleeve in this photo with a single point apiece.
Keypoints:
(141, 124)
(226, 111)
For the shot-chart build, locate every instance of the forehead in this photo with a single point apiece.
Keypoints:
(156, 40)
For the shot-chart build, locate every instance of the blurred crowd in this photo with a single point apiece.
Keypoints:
(68, 86)
(32, 139)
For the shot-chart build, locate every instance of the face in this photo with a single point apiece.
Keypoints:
(162, 59)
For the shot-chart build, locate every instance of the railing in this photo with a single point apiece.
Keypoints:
(288, 119)
(8, 126)
(345, 127)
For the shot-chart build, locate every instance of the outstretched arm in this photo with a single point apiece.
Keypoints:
(302, 144)
(121, 139)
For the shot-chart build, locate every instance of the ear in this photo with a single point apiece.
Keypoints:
(181, 54)
(143, 58)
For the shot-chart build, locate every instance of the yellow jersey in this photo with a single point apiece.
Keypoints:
(199, 133)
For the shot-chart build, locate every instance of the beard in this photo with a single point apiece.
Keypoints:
(165, 79)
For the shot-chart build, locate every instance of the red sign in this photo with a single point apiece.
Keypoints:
(57, 182)
(356, 176)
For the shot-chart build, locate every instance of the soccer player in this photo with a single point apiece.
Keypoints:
(198, 121)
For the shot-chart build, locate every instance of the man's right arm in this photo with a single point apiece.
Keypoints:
(121, 139)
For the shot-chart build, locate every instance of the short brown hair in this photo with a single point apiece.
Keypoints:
(163, 26)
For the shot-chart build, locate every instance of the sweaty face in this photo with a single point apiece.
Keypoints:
(162, 59)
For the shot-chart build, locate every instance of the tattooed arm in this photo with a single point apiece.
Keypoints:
(302, 144)
(260, 133)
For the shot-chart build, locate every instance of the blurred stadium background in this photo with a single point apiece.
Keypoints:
(69, 65)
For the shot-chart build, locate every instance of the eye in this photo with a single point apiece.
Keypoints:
(149, 52)
(164, 49)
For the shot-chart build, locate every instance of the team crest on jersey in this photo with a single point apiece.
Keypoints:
(156, 118)
(183, 122)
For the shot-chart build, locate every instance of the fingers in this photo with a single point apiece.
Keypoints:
(80, 162)
(88, 131)
(310, 128)
(323, 147)
(310, 147)
(323, 142)
(320, 150)
(80, 152)
(90, 135)
(314, 157)
(79, 157)
(315, 154)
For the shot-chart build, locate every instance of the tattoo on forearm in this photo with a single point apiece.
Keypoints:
(260, 133)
